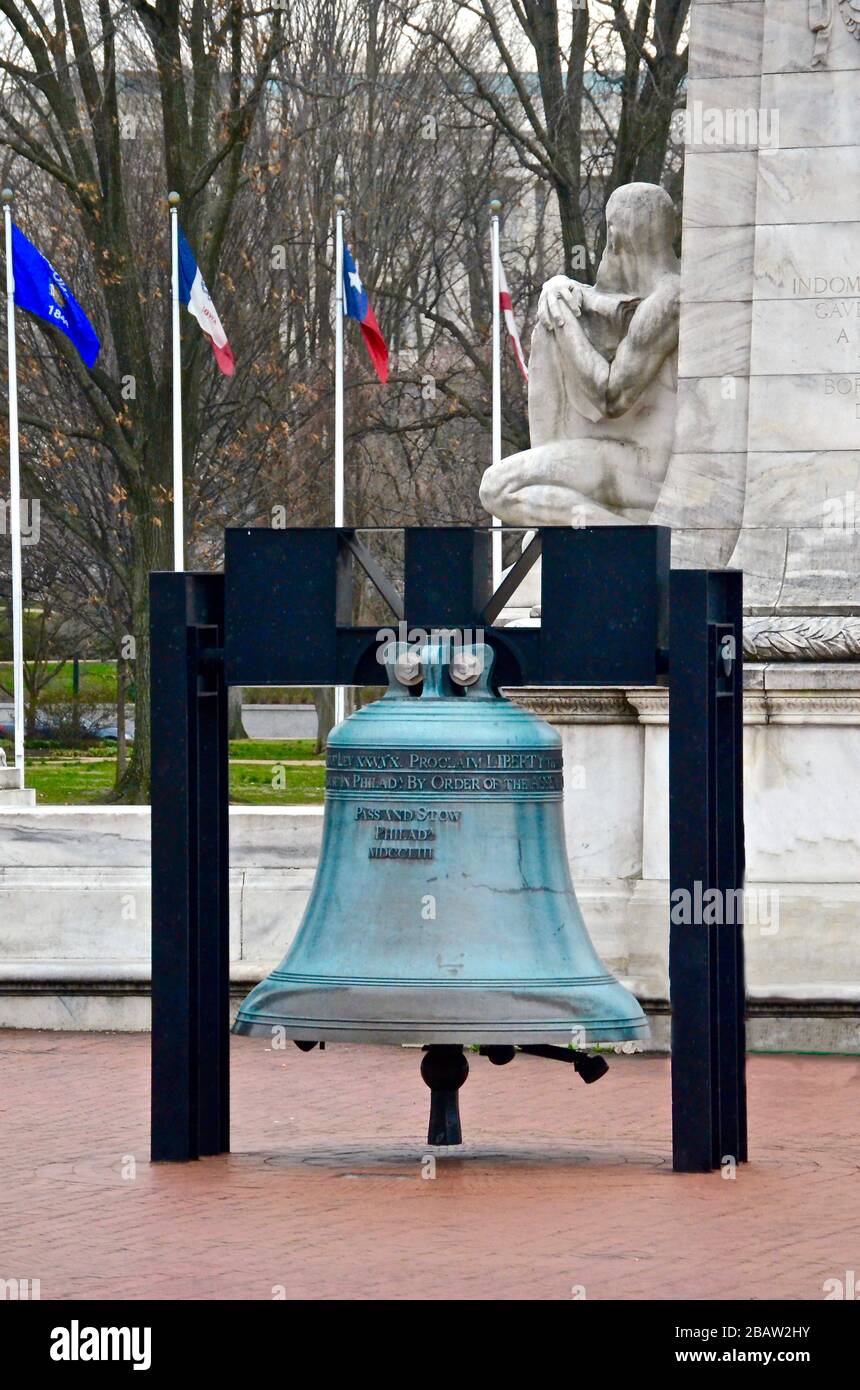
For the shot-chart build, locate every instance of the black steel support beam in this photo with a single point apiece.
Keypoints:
(190, 921)
(706, 961)
(514, 578)
(604, 604)
(375, 573)
(447, 576)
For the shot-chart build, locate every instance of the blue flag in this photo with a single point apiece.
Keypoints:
(41, 291)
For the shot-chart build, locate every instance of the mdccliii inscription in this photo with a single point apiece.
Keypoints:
(403, 832)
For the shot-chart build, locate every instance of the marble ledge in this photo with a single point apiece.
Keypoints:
(774, 693)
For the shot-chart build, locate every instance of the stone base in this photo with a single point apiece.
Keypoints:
(12, 789)
(17, 796)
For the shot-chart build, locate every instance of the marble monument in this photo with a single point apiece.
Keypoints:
(765, 471)
(761, 472)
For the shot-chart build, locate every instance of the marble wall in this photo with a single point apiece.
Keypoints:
(74, 889)
(766, 470)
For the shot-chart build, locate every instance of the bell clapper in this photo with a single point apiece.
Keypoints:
(444, 1069)
(589, 1068)
(498, 1054)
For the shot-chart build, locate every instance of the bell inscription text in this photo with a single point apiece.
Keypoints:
(448, 771)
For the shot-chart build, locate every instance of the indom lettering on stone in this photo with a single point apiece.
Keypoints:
(825, 284)
(76, 1343)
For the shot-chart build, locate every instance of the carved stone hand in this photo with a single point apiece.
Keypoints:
(559, 297)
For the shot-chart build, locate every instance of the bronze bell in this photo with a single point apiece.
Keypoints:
(443, 912)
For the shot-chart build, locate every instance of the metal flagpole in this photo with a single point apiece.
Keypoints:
(178, 488)
(14, 498)
(339, 690)
(495, 209)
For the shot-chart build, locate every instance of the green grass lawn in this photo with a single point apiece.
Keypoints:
(273, 749)
(62, 777)
(70, 784)
(276, 784)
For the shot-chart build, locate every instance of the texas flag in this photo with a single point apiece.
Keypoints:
(357, 306)
(507, 308)
(195, 296)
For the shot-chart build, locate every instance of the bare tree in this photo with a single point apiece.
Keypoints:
(204, 71)
(257, 114)
(541, 72)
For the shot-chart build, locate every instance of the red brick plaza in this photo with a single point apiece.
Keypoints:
(560, 1190)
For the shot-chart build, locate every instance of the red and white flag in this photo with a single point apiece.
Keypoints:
(507, 308)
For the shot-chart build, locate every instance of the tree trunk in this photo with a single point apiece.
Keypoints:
(324, 701)
(121, 745)
(235, 727)
(152, 551)
(31, 705)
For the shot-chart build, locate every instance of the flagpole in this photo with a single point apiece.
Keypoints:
(339, 204)
(495, 209)
(178, 488)
(14, 498)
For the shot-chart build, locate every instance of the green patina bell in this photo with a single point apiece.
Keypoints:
(443, 911)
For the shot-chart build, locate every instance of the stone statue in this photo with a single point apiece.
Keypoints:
(602, 381)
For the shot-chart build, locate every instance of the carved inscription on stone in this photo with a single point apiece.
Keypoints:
(828, 302)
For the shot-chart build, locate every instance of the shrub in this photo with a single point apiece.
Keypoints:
(69, 720)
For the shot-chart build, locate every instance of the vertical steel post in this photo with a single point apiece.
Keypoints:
(190, 922)
(706, 963)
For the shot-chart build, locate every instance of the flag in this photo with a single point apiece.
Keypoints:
(196, 298)
(42, 291)
(507, 308)
(357, 306)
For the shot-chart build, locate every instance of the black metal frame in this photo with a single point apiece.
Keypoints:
(280, 614)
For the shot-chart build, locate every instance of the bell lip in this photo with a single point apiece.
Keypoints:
(427, 1034)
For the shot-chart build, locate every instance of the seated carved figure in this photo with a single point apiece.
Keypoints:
(602, 381)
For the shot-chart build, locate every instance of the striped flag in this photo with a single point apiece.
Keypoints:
(198, 301)
(507, 308)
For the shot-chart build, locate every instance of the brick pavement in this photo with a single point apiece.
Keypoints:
(557, 1186)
